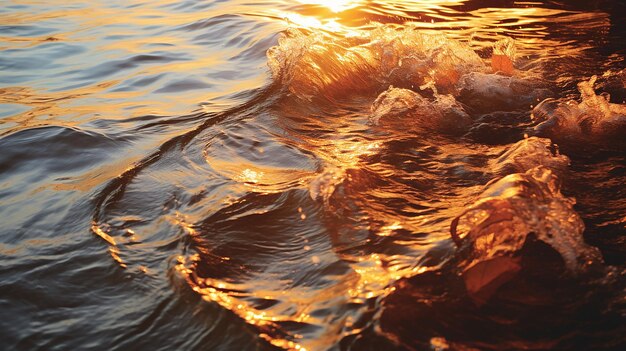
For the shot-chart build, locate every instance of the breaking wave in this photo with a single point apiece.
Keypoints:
(302, 210)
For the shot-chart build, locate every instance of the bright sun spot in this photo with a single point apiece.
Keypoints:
(311, 22)
(250, 176)
(333, 5)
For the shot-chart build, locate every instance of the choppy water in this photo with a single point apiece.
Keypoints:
(230, 175)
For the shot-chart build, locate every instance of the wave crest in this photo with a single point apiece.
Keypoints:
(320, 63)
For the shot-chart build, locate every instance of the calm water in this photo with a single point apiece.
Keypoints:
(212, 175)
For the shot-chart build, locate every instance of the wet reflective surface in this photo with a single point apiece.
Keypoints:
(226, 175)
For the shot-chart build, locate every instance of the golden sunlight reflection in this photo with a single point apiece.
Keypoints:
(311, 22)
(374, 279)
(334, 5)
(250, 176)
(233, 298)
(480, 27)
(387, 230)
(243, 141)
(348, 154)
(114, 250)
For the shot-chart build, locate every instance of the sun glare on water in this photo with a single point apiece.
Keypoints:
(334, 5)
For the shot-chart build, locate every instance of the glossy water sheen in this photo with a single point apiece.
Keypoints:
(210, 175)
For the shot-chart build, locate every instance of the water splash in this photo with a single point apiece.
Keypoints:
(318, 63)
(593, 118)
(487, 92)
(509, 212)
(403, 106)
(503, 56)
(530, 153)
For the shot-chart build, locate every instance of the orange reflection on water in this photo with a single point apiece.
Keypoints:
(481, 27)
(374, 279)
(334, 5)
(108, 96)
(97, 101)
(310, 22)
(231, 298)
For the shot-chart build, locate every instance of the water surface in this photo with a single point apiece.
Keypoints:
(208, 175)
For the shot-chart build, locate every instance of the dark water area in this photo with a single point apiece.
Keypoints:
(229, 175)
